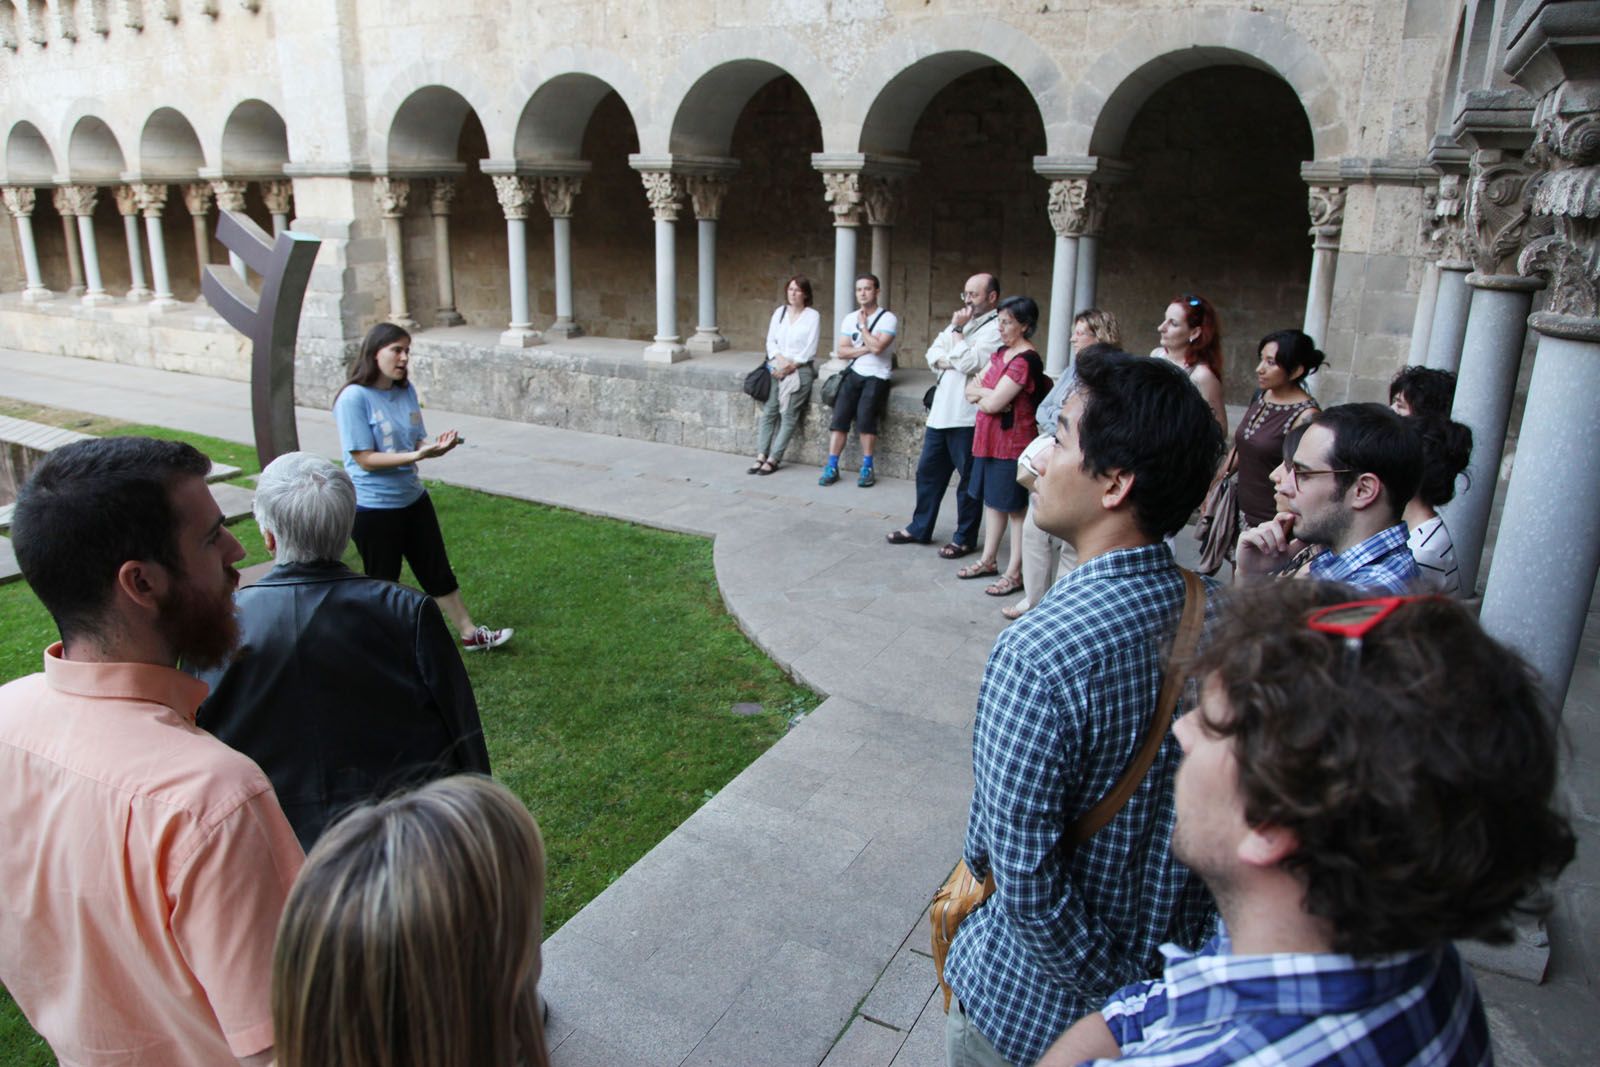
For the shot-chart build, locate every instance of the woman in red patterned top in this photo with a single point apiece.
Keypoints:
(1006, 395)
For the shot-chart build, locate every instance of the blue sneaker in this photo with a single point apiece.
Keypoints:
(866, 479)
(830, 474)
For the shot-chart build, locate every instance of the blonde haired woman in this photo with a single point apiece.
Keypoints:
(411, 938)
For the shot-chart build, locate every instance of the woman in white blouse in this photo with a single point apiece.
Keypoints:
(791, 357)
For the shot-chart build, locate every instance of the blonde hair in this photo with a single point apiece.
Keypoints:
(1102, 324)
(411, 938)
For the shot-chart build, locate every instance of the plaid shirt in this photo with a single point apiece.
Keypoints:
(1380, 564)
(1299, 1010)
(1066, 697)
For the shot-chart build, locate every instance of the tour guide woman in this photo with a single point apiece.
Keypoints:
(382, 437)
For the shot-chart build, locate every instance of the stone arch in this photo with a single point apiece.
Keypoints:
(169, 147)
(718, 75)
(417, 122)
(920, 64)
(93, 153)
(554, 119)
(28, 155)
(255, 140)
(1113, 89)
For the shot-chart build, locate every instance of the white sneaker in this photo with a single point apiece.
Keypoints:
(484, 639)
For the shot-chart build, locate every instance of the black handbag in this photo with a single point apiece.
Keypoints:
(758, 383)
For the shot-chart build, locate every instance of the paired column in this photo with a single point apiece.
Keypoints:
(1428, 293)
(81, 200)
(664, 190)
(197, 198)
(392, 196)
(19, 200)
(515, 195)
(559, 192)
(69, 230)
(842, 191)
(1077, 209)
(1326, 206)
(128, 208)
(1449, 329)
(441, 196)
(277, 196)
(880, 196)
(152, 197)
(706, 193)
(230, 197)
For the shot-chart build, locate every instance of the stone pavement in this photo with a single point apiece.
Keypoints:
(782, 923)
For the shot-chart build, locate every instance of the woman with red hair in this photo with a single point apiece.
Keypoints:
(1191, 338)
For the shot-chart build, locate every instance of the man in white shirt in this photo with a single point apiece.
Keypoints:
(956, 354)
(866, 342)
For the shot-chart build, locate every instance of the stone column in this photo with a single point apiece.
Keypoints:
(842, 191)
(19, 200)
(277, 195)
(82, 200)
(1069, 209)
(441, 197)
(1326, 206)
(665, 191)
(230, 197)
(1449, 328)
(559, 192)
(392, 196)
(515, 194)
(706, 193)
(1096, 202)
(128, 208)
(69, 230)
(197, 198)
(880, 195)
(153, 201)
(1428, 292)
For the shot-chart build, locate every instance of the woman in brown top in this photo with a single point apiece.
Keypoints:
(1281, 403)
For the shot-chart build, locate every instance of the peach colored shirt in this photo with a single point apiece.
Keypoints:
(143, 869)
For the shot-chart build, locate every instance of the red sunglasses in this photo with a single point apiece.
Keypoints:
(1355, 619)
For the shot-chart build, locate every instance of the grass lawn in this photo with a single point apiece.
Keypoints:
(609, 713)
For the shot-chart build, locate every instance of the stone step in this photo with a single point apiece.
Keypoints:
(234, 500)
(219, 472)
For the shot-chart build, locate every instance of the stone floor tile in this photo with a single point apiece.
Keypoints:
(865, 1044)
(902, 991)
(924, 1046)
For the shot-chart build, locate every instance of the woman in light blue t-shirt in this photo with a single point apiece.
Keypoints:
(383, 439)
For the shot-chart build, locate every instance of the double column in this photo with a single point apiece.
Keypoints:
(880, 197)
(1080, 196)
(19, 200)
(516, 194)
(63, 201)
(128, 207)
(1448, 330)
(197, 197)
(392, 195)
(152, 200)
(1326, 206)
(664, 190)
(707, 190)
(79, 201)
(230, 197)
(278, 194)
(560, 189)
(860, 187)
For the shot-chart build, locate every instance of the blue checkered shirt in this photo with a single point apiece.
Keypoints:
(1300, 1010)
(1380, 564)
(1066, 697)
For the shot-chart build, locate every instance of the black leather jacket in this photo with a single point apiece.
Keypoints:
(344, 688)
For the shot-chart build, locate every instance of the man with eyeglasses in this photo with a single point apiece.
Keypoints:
(1362, 784)
(956, 354)
(1345, 489)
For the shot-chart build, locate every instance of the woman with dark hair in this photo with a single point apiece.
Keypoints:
(1281, 403)
(791, 357)
(1007, 395)
(1446, 450)
(1422, 391)
(383, 439)
(411, 937)
(1192, 338)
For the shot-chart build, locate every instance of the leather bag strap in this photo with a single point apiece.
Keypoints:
(1183, 646)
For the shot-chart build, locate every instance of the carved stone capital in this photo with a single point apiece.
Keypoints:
(441, 196)
(515, 194)
(1077, 207)
(842, 192)
(706, 192)
(1499, 210)
(61, 201)
(230, 193)
(664, 190)
(1449, 223)
(1325, 205)
(197, 197)
(391, 195)
(19, 200)
(559, 192)
(277, 195)
(1566, 149)
(127, 199)
(152, 197)
(880, 195)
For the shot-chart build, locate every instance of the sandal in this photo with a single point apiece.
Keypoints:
(767, 467)
(755, 468)
(901, 537)
(1005, 586)
(980, 569)
(954, 550)
(1015, 611)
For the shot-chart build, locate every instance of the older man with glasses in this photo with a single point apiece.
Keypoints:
(1345, 489)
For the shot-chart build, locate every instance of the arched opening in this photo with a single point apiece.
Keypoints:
(93, 154)
(169, 151)
(613, 246)
(28, 155)
(255, 141)
(1215, 205)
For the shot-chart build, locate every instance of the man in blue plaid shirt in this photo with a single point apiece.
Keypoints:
(1362, 784)
(1066, 698)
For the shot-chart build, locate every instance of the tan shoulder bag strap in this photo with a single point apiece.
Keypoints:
(1183, 646)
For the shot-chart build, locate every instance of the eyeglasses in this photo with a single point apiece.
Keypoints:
(1292, 474)
(1355, 619)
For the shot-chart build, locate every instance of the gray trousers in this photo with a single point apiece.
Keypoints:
(964, 1046)
(785, 421)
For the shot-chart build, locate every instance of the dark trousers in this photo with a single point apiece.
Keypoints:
(945, 452)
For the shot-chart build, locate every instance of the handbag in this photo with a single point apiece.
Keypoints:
(927, 398)
(1218, 528)
(758, 383)
(961, 893)
(830, 386)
